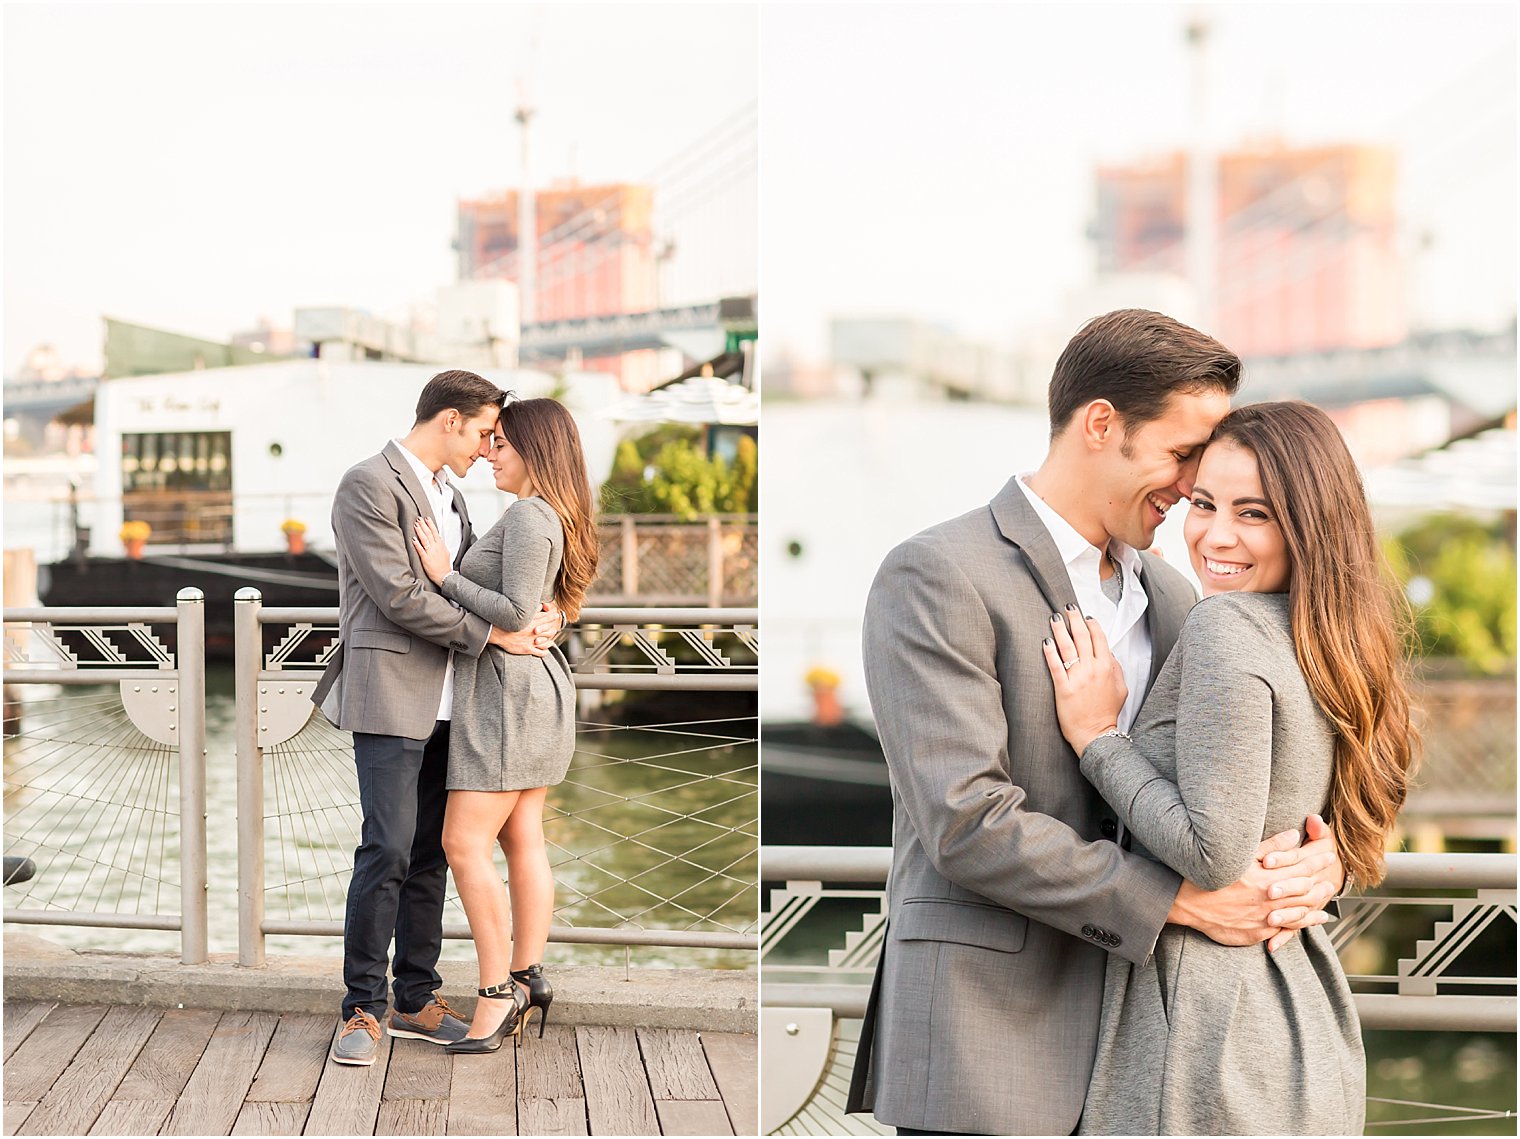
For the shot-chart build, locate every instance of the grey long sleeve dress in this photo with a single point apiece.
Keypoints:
(1206, 1039)
(514, 716)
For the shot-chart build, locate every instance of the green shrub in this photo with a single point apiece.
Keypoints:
(667, 471)
(1463, 594)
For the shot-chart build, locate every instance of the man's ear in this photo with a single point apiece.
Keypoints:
(1099, 425)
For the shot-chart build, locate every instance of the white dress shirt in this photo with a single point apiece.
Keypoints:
(1123, 624)
(440, 496)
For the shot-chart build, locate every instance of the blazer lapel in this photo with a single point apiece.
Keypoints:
(408, 479)
(1019, 523)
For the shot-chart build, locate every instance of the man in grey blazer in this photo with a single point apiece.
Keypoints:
(390, 684)
(1010, 880)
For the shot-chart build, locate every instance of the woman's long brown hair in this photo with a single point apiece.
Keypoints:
(544, 434)
(1346, 617)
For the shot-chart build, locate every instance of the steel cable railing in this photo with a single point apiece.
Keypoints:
(105, 787)
(652, 835)
(1419, 952)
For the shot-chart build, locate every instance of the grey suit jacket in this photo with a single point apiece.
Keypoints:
(396, 629)
(1005, 897)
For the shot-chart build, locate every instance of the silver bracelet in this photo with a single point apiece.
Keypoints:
(1104, 735)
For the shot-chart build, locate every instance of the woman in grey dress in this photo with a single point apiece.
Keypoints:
(1282, 699)
(513, 729)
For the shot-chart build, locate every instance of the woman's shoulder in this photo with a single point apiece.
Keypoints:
(1226, 618)
(532, 515)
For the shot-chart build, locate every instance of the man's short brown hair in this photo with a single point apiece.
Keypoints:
(463, 391)
(1136, 359)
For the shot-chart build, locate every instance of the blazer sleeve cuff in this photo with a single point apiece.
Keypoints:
(474, 633)
(1154, 889)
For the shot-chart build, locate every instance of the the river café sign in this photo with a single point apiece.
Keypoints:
(158, 409)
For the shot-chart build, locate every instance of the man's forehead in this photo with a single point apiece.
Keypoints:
(1190, 417)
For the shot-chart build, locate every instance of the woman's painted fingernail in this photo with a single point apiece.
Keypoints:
(1055, 618)
(1048, 642)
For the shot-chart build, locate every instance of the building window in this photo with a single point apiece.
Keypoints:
(180, 483)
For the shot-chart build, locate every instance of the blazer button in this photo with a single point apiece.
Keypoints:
(1089, 931)
(1108, 828)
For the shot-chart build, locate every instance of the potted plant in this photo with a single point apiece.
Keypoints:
(295, 535)
(824, 682)
(134, 536)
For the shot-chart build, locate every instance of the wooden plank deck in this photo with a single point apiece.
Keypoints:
(77, 1069)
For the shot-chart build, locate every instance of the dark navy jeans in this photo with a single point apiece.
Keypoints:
(399, 872)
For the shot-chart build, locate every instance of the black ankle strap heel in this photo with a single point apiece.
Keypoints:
(511, 1026)
(540, 994)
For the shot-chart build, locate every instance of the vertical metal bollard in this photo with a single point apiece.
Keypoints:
(249, 653)
(714, 564)
(191, 603)
(630, 560)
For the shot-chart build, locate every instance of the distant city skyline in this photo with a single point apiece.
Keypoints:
(196, 167)
(940, 161)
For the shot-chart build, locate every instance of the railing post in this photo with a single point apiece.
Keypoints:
(714, 563)
(191, 603)
(248, 652)
(630, 560)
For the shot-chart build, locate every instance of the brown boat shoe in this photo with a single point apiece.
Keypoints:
(434, 1022)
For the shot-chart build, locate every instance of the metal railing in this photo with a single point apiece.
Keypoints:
(822, 930)
(694, 806)
(153, 730)
(646, 559)
(653, 834)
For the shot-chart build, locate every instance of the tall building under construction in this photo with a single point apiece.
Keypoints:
(1308, 256)
(596, 253)
(596, 257)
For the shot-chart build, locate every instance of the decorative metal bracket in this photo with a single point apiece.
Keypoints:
(293, 651)
(650, 656)
(153, 708)
(1419, 975)
(794, 1044)
(94, 646)
(284, 708)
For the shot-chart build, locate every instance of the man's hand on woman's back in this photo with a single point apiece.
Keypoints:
(1285, 890)
(534, 641)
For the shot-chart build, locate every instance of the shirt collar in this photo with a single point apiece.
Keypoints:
(1069, 543)
(425, 476)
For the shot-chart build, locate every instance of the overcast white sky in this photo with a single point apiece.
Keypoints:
(938, 160)
(196, 165)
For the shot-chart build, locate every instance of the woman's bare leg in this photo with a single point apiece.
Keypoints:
(471, 823)
(522, 838)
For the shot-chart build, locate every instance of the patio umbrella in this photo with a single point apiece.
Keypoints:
(702, 399)
(1477, 473)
